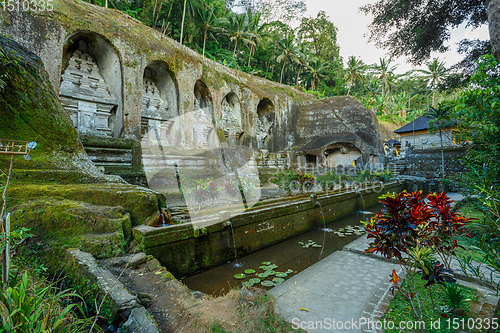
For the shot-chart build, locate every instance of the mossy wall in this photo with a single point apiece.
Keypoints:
(51, 34)
(184, 250)
(137, 46)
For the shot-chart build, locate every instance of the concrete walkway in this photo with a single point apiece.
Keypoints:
(347, 287)
(346, 291)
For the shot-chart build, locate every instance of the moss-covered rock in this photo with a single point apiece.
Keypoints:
(139, 201)
(100, 230)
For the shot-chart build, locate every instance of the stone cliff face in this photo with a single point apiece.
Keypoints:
(118, 79)
(32, 111)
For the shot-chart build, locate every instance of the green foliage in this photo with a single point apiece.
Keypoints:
(455, 295)
(14, 237)
(427, 22)
(436, 309)
(27, 308)
(289, 180)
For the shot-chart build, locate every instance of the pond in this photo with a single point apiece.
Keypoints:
(288, 255)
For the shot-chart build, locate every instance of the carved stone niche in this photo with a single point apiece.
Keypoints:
(85, 95)
(230, 120)
(154, 110)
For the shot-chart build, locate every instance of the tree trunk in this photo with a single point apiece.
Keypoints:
(204, 40)
(282, 69)
(493, 9)
(183, 17)
(442, 153)
(235, 45)
(297, 80)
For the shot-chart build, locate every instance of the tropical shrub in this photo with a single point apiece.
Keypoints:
(289, 180)
(26, 308)
(411, 230)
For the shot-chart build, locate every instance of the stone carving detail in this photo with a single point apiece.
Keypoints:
(154, 114)
(203, 129)
(263, 129)
(230, 124)
(85, 95)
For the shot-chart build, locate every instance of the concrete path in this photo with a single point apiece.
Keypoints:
(347, 287)
(347, 291)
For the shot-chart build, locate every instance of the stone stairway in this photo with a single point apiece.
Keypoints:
(397, 167)
(179, 214)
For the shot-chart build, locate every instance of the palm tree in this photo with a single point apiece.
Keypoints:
(441, 119)
(316, 71)
(258, 30)
(304, 57)
(239, 30)
(355, 72)
(192, 5)
(434, 74)
(385, 72)
(210, 22)
(289, 52)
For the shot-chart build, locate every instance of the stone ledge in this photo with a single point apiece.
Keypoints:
(125, 305)
(108, 284)
(140, 321)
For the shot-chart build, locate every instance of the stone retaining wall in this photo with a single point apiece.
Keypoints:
(427, 162)
(184, 250)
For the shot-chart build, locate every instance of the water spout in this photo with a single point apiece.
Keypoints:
(358, 192)
(324, 227)
(236, 264)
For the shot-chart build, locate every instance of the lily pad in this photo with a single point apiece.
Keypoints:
(271, 272)
(263, 267)
(240, 276)
(266, 263)
(316, 245)
(254, 280)
(278, 280)
(281, 274)
(249, 271)
(267, 283)
(273, 266)
(289, 271)
(248, 284)
(263, 275)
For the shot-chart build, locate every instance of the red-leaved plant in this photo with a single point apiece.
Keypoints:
(410, 229)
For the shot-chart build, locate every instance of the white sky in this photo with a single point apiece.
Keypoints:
(353, 25)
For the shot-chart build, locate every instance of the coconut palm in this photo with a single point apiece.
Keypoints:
(191, 5)
(441, 119)
(355, 72)
(289, 52)
(210, 23)
(304, 57)
(258, 30)
(238, 30)
(315, 71)
(385, 73)
(434, 74)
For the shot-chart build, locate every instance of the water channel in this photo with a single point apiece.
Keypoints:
(287, 255)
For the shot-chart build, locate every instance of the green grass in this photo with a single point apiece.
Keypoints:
(400, 309)
(476, 230)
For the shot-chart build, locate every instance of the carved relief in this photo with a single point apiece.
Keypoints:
(230, 123)
(85, 95)
(155, 111)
